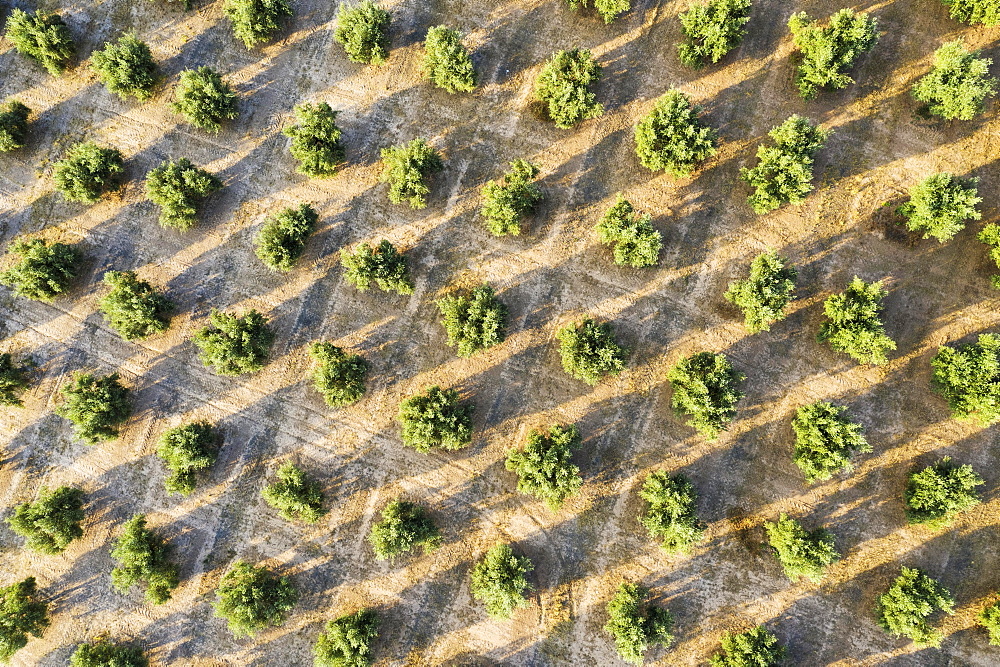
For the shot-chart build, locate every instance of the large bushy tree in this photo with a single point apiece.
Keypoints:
(563, 86)
(185, 450)
(316, 140)
(42, 271)
(88, 171)
(133, 307)
(383, 265)
(404, 526)
(589, 352)
(784, 171)
(635, 624)
(498, 581)
(406, 168)
(97, 405)
(447, 63)
(801, 552)
(989, 619)
(295, 495)
(347, 641)
(608, 9)
(711, 30)
(256, 21)
(506, 202)
(337, 375)
(670, 516)
(764, 296)
(990, 235)
(756, 647)
(985, 12)
(13, 125)
(940, 491)
(126, 67)
(282, 238)
(968, 377)
(363, 31)
(177, 187)
(473, 321)
(635, 241)
(958, 85)
(854, 322)
(105, 653)
(913, 597)
(435, 419)
(544, 468)
(827, 51)
(204, 99)
(23, 613)
(49, 524)
(42, 36)
(705, 387)
(940, 205)
(252, 599)
(671, 138)
(825, 439)
(143, 558)
(235, 345)
(14, 379)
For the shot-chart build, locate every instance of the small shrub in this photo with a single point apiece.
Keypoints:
(635, 624)
(756, 647)
(825, 439)
(990, 235)
(404, 526)
(989, 618)
(670, 516)
(295, 495)
(705, 388)
(13, 125)
(235, 345)
(43, 271)
(96, 405)
(636, 243)
(968, 377)
(854, 324)
(589, 352)
(435, 418)
(904, 609)
(282, 239)
(711, 30)
(133, 308)
(802, 553)
(940, 205)
(204, 99)
(256, 21)
(43, 37)
(608, 9)
(671, 138)
(104, 653)
(347, 641)
(498, 581)
(784, 172)
(958, 84)
(986, 12)
(937, 493)
(543, 467)
(143, 557)
(126, 67)
(177, 187)
(764, 295)
(383, 265)
(363, 31)
(406, 169)
(339, 376)
(22, 613)
(563, 86)
(251, 599)
(88, 171)
(13, 380)
(316, 140)
(51, 522)
(507, 202)
(473, 321)
(447, 63)
(827, 51)
(185, 450)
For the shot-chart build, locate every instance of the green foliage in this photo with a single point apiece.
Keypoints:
(296, 496)
(347, 641)
(447, 62)
(543, 467)
(903, 609)
(363, 31)
(940, 205)
(251, 599)
(968, 377)
(177, 187)
(256, 21)
(22, 613)
(282, 239)
(990, 235)
(507, 202)
(316, 140)
(937, 493)
(711, 30)
(43, 271)
(435, 418)
(235, 345)
(404, 526)
(185, 450)
(339, 376)
(204, 99)
(133, 308)
(473, 321)
(827, 51)
(705, 387)
(670, 516)
(854, 323)
(88, 171)
(406, 169)
(143, 556)
(784, 172)
(13, 380)
(562, 86)
(958, 84)
(636, 243)
(97, 406)
(635, 624)
(754, 648)
(104, 653)
(986, 12)
(589, 352)
(13, 125)
(126, 67)
(825, 439)
(764, 295)
(608, 9)
(51, 522)
(43, 37)
(383, 265)
(802, 553)
(989, 618)
(498, 581)
(671, 138)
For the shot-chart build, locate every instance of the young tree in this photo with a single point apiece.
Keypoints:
(96, 405)
(185, 450)
(507, 202)
(904, 609)
(51, 522)
(802, 553)
(854, 322)
(126, 67)
(671, 515)
(826, 52)
(43, 37)
(296, 496)
(42, 271)
(990, 235)
(936, 494)
(784, 172)
(473, 321)
(256, 21)
(705, 387)
(940, 205)
(968, 377)
(764, 295)
(589, 352)
(986, 12)
(711, 30)
(635, 624)
(22, 613)
(88, 171)
(671, 138)
(104, 653)
(636, 242)
(608, 9)
(404, 526)
(543, 467)
(235, 345)
(435, 418)
(383, 265)
(563, 86)
(498, 581)
(282, 239)
(13, 125)
(406, 169)
(339, 376)
(143, 557)
(251, 599)
(347, 641)
(177, 187)
(363, 31)
(13, 380)
(989, 618)
(447, 63)
(204, 99)
(825, 439)
(133, 308)
(958, 84)
(316, 140)
(756, 647)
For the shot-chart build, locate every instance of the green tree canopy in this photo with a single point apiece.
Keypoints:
(608, 9)
(295, 495)
(711, 30)
(347, 641)
(251, 599)
(473, 321)
(754, 648)
(854, 322)
(544, 468)
(435, 418)
(406, 168)
(764, 295)
(383, 265)
(41, 36)
(784, 172)
(282, 239)
(105, 653)
(990, 235)
(363, 31)
(96, 405)
(589, 352)
(177, 187)
(498, 581)
(670, 516)
(912, 598)
(705, 387)
(204, 99)
(989, 618)
(256, 21)
(143, 557)
(126, 67)
(940, 491)
(636, 242)
(51, 522)
(825, 439)
(940, 205)
(14, 379)
(235, 345)
(185, 450)
(42, 271)
(986, 12)
(22, 614)
(635, 624)
(826, 51)
(958, 84)
(316, 140)
(88, 171)
(671, 137)
(404, 526)
(968, 377)
(506, 202)
(447, 63)
(133, 307)
(338, 376)
(13, 125)
(801, 552)
(563, 86)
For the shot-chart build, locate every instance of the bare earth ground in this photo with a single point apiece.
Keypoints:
(551, 275)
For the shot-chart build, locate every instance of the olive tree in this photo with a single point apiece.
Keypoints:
(133, 307)
(589, 352)
(563, 86)
(543, 467)
(185, 451)
(316, 140)
(764, 296)
(295, 495)
(968, 377)
(825, 439)
(936, 494)
(204, 99)
(435, 419)
(105, 653)
(498, 581)
(635, 624)
(43, 37)
(913, 597)
(756, 647)
(608, 9)
(88, 171)
(854, 322)
(235, 345)
(508, 201)
(958, 85)
(671, 512)
(473, 321)
(14, 379)
(363, 31)
(985, 12)
(635, 241)
(990, 236)
(705, 387)
(827, 51)
(23, 613)
(801, 552)
(406, 168)
(96, 405)
(671, 137)
(383, 265)
(252, 599)
(143, 558)
(337, 375)
(256, 21)
(403, 526)
(347, 641)
(447, 63)
(711, 30)
(49, 524)
(126, 67)
(784, 171)
(989, 619)
(177, 187)
(940, 205)
(13, 125)
(282, 238)
(42, 271)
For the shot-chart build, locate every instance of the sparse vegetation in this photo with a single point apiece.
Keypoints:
(404, 526)
(96, 405)
(143, 557)
(435, 419)
(22, 614)
(985, 12)
(282, 239)
(764, 296)
(105, 653)
(235, 345)
(784, 172)
(854, 323)
(383, 265)
(940, 205)
(204, 99)
(41, 36)
(49, 524)
(251, 599)
(754, 648)
(636, 243)
(635, 624)
(543, 467)
(14, 379)
(827, 51)
(347, 641)
(671, 138)
(825, 439)
(507, 202)
(911, 599)
(42, 271)
(498, 581)
(711, 30)
(968, 377)
(989, 619)
(473, 321)
(13, 125)
(185, 450)
(126, 67)
(88, 171)
(671, 516)
(958, 85)
(447, 63)
(406, 168)
(296, 496)
(177, 187)
(705, 387)
(256, 21)
(589, 352)
(608, 9)
(132, 307)
(936, 494)
(338, 376)
(363, 31)
(802, 553)
(564, 87)
(316, 140)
